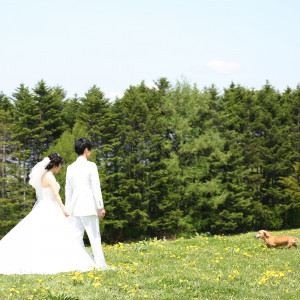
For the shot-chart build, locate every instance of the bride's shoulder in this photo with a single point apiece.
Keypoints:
(49, 176)
(48, 179)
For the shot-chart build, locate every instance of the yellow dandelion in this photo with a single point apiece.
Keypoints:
(97, 284)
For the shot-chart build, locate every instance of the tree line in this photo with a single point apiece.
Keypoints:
(171, 159)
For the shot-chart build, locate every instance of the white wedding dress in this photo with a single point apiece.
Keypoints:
(44, 242)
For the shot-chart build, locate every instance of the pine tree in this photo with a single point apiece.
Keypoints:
(5, 104)
(240, 173)
(136, 174)
(25, 127)
(38, 122)
(95, 113)
(26, 123)
(262, 121)
(292, 205)
(71, 110)
(192, 141)
(49, 102)
(274, 151)
(13, 205)
(289, 116)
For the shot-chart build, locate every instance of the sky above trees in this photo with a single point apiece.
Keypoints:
(114, 44)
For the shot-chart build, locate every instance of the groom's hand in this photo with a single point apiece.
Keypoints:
(101, 213)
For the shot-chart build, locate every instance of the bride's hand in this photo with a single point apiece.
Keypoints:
(64, 212)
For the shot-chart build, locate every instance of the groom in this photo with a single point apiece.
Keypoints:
(84, 199)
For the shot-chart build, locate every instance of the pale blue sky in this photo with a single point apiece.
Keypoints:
(114, 43)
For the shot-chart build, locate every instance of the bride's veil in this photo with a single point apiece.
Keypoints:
(35, 177)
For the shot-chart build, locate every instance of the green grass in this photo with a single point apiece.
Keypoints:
(219, 267)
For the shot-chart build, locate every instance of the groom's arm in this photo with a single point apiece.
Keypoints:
(96, 188)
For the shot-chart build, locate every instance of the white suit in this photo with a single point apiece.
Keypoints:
(83, 199)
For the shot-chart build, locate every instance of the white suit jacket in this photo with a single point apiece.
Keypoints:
(83, 191)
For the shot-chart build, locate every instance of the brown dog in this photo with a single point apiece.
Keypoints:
(277, 241)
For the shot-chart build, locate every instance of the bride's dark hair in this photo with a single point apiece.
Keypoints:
(55, 161)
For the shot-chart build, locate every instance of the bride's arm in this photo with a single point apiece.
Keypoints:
(53, 185)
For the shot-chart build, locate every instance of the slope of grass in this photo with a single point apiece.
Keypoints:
(218, 267)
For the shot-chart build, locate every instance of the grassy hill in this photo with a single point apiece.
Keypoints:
(218, 267)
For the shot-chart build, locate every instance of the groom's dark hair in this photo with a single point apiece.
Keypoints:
(81, 144)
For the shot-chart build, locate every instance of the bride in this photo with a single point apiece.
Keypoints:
(44, 242)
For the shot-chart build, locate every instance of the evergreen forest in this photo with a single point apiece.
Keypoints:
(172, 159)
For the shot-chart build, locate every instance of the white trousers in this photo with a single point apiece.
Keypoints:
(90, 224)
